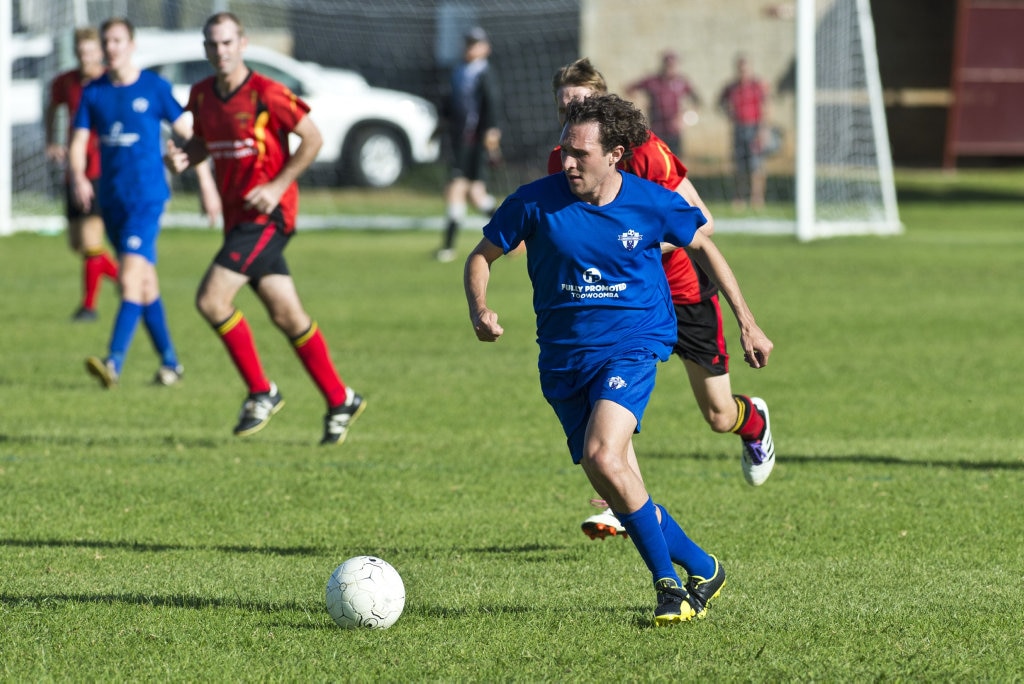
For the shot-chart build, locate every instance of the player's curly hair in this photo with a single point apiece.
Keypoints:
(620, 121)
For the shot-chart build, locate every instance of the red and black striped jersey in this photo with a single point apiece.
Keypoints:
(246, 134)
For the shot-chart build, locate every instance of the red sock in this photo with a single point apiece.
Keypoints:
(237, 337)
(93, 268)
(312, 350)
(749, 422)
(109, 265)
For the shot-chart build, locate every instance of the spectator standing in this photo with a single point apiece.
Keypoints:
(667, 92)
(242, 120)
(85, 227)
(745, 102)
(126, 107)
(471, 111)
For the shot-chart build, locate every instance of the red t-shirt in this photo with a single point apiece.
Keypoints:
(744, 100)
(66, 89)
(246, 135)
(655, 162)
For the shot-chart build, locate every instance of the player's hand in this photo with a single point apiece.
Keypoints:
(83, 193)
(485, 325)
(263, 198)
(756, 347)
(175, 158)
(58, 154)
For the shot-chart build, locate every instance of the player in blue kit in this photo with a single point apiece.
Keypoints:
(605, 319)
(125, 107)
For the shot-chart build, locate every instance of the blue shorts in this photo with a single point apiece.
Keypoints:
(626, 379)
(134, 229)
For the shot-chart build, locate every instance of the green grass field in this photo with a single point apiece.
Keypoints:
(141, 541)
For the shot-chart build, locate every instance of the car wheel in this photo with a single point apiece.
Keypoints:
(374, 158)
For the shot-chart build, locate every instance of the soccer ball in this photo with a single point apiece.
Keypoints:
(365, 591)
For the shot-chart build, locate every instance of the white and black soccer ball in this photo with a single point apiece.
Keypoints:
(365, 591)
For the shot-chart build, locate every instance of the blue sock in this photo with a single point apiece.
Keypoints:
(124, 329)
(156, 323)
(642, 527)
(683, 550)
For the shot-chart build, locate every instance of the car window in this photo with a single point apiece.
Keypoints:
(280, 76)
(196, 71)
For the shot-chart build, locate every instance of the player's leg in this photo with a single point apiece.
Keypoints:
(243, 256)
(85, 238)
(344, 405)
(619, 395)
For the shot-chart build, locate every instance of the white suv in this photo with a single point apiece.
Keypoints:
(371, 135)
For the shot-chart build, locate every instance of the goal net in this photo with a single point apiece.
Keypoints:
(828, 171)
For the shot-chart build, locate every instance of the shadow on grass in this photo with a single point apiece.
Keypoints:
(156, 548)
(862, 460)
(188, 601)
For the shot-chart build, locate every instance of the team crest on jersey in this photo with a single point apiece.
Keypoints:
(630, 239)
(616, 383)
(140, 104)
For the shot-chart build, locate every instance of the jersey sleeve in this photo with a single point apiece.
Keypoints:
(170, 109)
(508, 226)
(655, 162)
(555, 160)
(58, 90)
(82, 119)
(683, 222)
(284, 105)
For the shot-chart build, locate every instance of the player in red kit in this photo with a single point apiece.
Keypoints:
(242, 120)
(701, 340)
(85, 226)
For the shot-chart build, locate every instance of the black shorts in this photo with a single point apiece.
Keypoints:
(700, 337)
(255, 250)
(470, 160)
(72, 211)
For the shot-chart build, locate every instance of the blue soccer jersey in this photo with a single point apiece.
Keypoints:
(598, 283)
(128, 119)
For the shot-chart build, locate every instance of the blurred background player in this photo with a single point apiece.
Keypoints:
(242, 120)
(85, 227)
(126, 107)
(701, 340)
(745, 101)
(666, 91)
(472, 113)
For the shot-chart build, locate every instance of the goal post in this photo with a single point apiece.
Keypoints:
(844, 174)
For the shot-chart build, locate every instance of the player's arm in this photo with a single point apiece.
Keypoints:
(476, 276)
(266, 197)
(689, 193)
(756, 345)
(54, 151)
(78, 163)
(193, 155)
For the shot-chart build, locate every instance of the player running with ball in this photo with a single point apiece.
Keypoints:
(605, 319)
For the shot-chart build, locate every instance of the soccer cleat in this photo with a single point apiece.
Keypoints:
(445, 255)
(169, 375)
(340, 418)
(674, 603)
(84, 315)
(257, 410)
(104, 370)
(759, 455)
(602, 525)
(703, 590)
